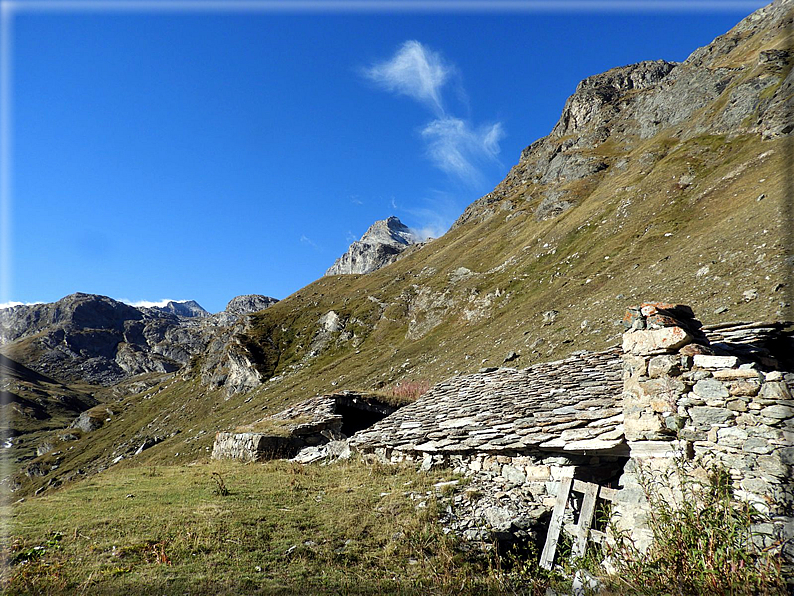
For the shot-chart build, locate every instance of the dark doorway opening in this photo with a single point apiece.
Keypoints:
(355, 418)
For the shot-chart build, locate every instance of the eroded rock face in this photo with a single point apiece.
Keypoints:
(741, 83)
(380, 245)
(242, 305)
(188, 308)
(248, 303)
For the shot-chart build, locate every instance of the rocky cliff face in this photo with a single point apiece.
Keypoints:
(101, 341)
(739, 84)
(242, 305)
(380, 245)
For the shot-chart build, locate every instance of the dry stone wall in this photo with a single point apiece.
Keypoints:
(680, 392)
(515, 434)
(674, 392)
(719, 401)
(250, 446)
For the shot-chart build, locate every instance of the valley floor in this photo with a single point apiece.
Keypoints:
(230, 528)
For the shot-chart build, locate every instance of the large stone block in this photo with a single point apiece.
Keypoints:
(513, 474)
(736, 373)
(664, 365)
(732, 437)
(706, 415)
(634, 366)
(778, 411)
(757, 445)
(655, 340)
(704, 361)
(538, 473)
(774, 391)
(646, 425)
(744, 388)
(710, 389)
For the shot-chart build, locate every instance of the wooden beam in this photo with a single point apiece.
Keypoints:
(610, 494)
(550, 548)
(585, 519)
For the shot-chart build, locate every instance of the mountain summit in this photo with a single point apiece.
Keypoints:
(380, 245)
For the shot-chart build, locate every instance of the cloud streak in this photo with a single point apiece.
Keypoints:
(12, 304)
(414, 71)
(458, 149)
(454, 145)
(149, 303)
(309, 242)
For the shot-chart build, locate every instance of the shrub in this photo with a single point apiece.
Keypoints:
(702, 541)
(408, 391)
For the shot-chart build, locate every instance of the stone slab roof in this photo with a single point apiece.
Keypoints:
(571, 405)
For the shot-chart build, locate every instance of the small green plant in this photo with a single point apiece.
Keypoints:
(220, 486)
(702, 541)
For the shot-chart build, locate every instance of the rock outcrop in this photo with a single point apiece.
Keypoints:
(732, 86)
(243, 305)
(380, 245)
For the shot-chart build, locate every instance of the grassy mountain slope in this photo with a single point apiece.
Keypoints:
(636, 195)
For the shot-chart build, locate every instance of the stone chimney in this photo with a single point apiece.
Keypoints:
(687, 401)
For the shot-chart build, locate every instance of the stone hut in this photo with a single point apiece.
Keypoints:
(318, 421)
(673, 391)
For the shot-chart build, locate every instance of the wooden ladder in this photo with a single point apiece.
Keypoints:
(581, 530)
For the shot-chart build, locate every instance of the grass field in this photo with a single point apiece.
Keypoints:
(230, 528)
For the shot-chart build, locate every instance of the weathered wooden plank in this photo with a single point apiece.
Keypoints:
(585, 519)
(579, 486)
(610, 494)
(550, 548)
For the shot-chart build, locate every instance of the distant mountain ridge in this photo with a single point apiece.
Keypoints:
(99, 340)
(380, 245)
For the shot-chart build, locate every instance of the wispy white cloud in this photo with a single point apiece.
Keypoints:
(148, 303)
(438, 212)
(456, 146)
(458, 149)
(306, 240)
(427, 232)
(12, 303)
(414, 71)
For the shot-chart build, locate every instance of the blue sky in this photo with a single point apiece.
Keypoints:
(205, 154)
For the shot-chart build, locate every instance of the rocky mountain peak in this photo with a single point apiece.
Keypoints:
(389, 231)
(185, 308)
(380, 245)
(77, 310)
(247, 303)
